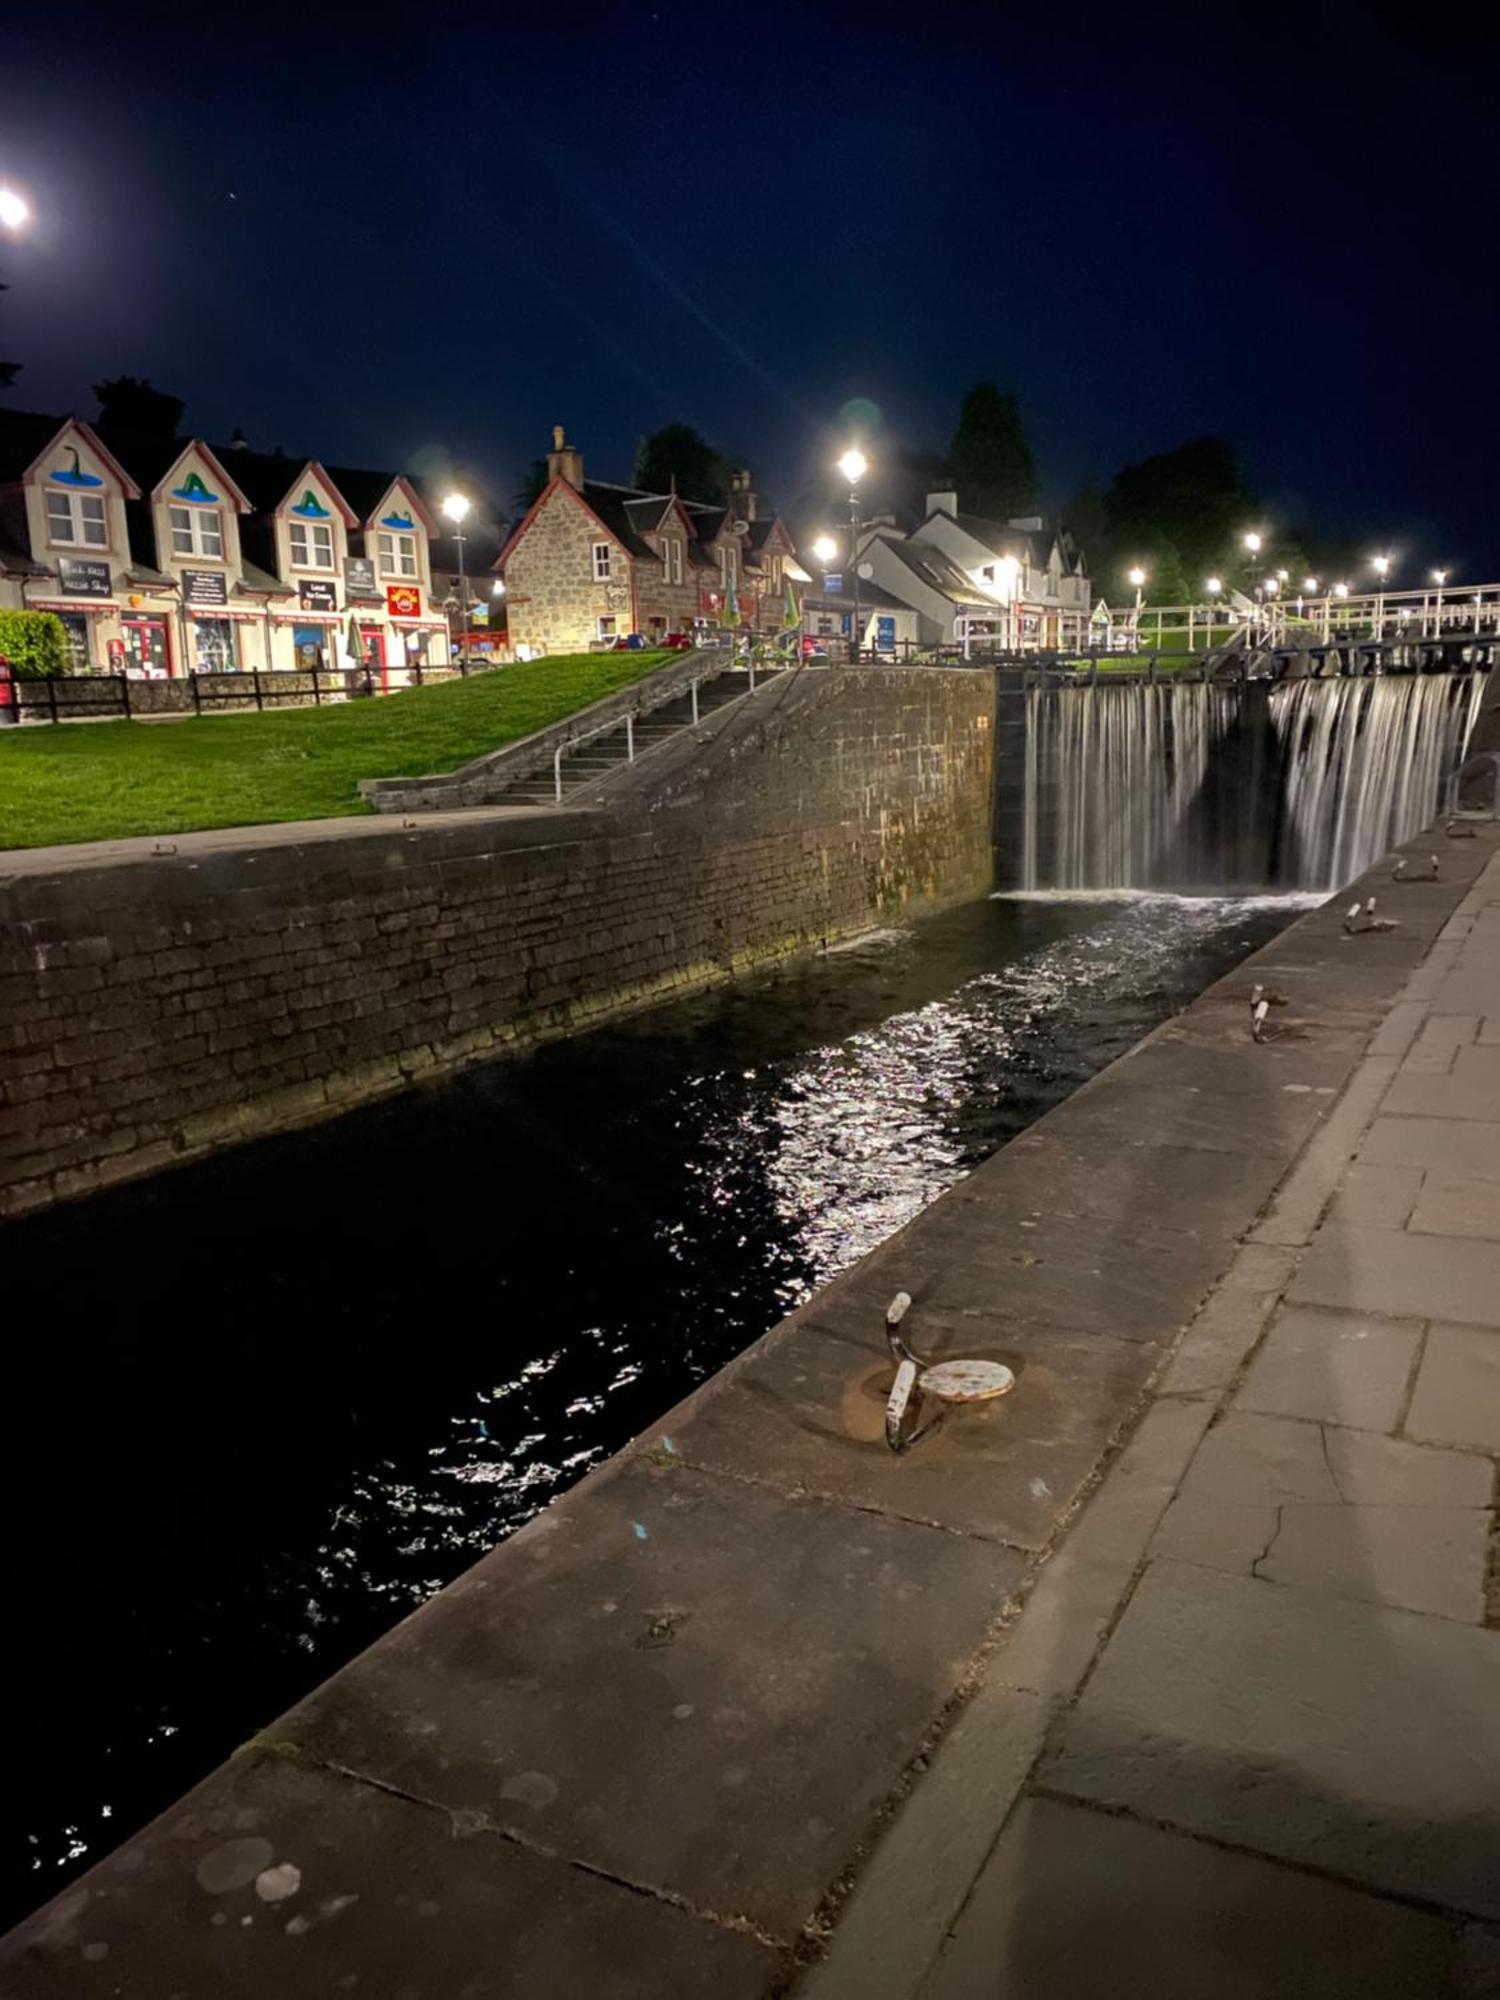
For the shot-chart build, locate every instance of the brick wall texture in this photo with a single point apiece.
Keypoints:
(153, 1007)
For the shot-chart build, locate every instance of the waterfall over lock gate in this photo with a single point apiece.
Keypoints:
(1188, 785)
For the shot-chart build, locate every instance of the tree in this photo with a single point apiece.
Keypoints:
(35, 643)
(679, 452)
(1193, 497)
(130, 410)
(989, 457)
(533, 485)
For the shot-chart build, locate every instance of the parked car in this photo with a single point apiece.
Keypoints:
(629, 642)
(678, 642)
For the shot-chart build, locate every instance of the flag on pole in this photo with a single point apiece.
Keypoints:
(791, 616)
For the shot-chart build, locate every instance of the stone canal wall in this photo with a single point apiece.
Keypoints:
(158, 1000)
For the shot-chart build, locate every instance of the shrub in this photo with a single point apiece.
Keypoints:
(35, 644)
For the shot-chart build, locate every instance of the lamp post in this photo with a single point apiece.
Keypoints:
(1136, 578)
(1439, 577)
(824, 549)
(1254, 543)
(456, 507)
(854, 465)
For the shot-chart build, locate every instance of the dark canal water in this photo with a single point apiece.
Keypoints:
(261, 1407)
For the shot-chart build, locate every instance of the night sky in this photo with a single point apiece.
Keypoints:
(425, 234)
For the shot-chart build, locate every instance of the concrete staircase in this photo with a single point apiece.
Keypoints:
(598, 758)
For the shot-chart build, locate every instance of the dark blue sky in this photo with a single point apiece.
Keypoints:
(378, 235)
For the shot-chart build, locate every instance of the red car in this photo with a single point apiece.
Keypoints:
(677, 642)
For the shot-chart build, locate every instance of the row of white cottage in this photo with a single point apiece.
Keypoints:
(1021, 585)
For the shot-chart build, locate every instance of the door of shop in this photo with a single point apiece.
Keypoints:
(374, 644)
(146, 649)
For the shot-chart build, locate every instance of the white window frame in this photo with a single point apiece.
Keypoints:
(398, 554)
(310, 530)
(607, 623)
(602, 555)
(729, 571)
(230, 638)
(74, 505)
(204, 528)
(671, 550)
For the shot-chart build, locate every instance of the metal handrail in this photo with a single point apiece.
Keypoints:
(608, 728)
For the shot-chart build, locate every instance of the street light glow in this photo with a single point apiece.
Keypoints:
(1137, 576)
(1381, 566)
(1253, 542)
(15, 209)
(456, 507)
(1440, 577)
(497, 588)
(1213, 586)
(1272, 585)
(1309, 584)
(854, 465)
(825, 548)
(1341, 590)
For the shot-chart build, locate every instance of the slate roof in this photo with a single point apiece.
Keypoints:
(264, 477)
(612, 505)
(935, 570)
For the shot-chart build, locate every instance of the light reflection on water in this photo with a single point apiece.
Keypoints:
(357, 1357)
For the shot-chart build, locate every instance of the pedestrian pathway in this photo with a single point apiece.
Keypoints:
(1244, 1738)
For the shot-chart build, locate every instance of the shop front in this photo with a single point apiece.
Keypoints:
(148, 645)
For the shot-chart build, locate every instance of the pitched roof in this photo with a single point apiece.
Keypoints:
(929, 563)
(612, 505)
(26, 434)
(264, 477)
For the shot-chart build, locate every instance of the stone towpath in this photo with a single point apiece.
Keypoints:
(1244, 1738)
(1173, 1676)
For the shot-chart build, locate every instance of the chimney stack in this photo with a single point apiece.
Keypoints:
(942, 503)
(565, 461)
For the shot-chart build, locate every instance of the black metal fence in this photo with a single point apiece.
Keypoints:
(98, 697)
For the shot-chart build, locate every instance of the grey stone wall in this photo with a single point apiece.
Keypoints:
(155, 1007)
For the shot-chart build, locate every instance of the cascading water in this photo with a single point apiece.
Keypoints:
(1364, 763)
(1178, 785)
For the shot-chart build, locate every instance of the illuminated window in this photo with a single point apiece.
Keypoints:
(196, 531)
(76, 520)
(601, 562)
(398, 555)
(312, 545)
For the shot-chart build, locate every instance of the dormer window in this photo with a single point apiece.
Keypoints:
(601, 562)
(76, 520)
(398, 555)
(312, 545)
(196, 531)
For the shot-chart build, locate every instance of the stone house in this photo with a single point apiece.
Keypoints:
(592, 561)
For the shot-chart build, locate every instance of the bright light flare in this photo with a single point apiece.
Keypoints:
(825, 548)
(15, 209)
(854, 465)
(456, 507)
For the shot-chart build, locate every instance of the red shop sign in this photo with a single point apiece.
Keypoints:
(403, 600)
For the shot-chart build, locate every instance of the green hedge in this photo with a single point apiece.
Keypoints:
(35, 644)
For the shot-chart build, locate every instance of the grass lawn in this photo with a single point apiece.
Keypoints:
(100, 780)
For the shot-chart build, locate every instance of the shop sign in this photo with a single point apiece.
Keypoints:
(318, 595)
(834, 581)
(82, 579)
(359, 577)
(204, 586)
(403, 600)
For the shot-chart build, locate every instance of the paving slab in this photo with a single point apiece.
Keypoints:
(1420, 1558)
(1457, 1397)
(1075, 1904)
(808, 1415)
(1398, 1272)
(1469, 1089)
(1458, 1205)
(277, 1880)
(1376, 1197)
(1458, 1146)
(690, 1683)
(1186, 1188)
(1250, 1460)
(1337, 1368)
(1359, 1740)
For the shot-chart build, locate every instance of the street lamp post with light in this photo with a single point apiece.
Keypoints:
(456, 507)
(824, 549)
(1439, 577)
(854, 465)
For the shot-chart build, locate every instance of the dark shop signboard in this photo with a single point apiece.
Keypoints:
(319, 596)
(359, 576)
(82, 579)
(204, 586)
